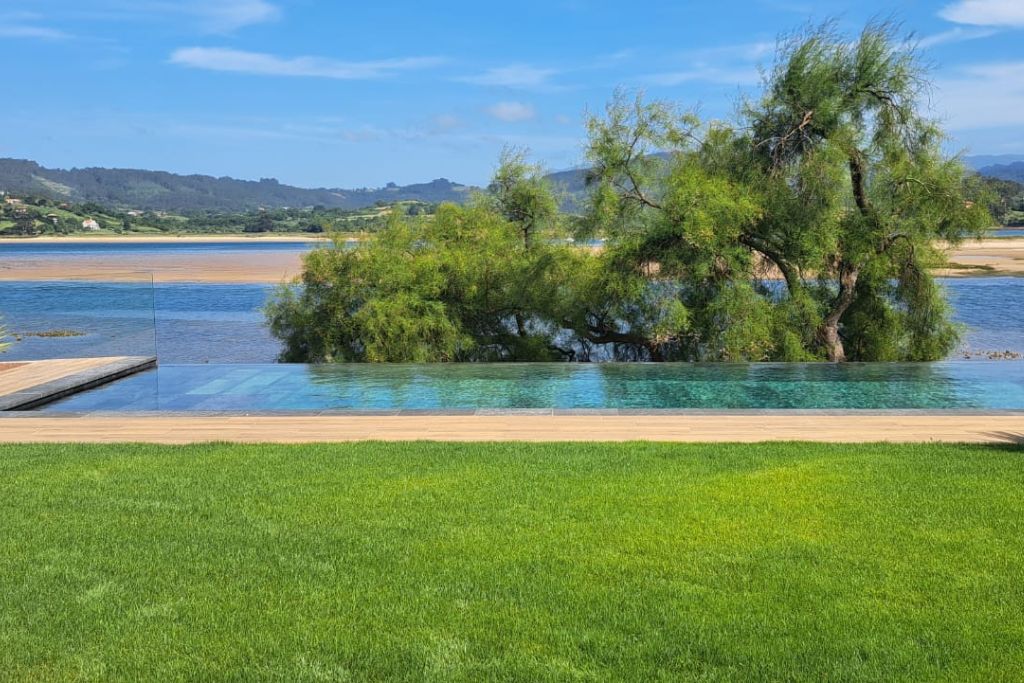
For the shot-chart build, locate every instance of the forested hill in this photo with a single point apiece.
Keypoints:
(1014, 171)
(161, 191)
(121, 188)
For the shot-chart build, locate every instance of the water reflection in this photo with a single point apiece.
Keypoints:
(960, 385)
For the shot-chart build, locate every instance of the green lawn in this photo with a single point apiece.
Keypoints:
(509, 562)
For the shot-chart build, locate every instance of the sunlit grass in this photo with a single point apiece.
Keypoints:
(511, 562)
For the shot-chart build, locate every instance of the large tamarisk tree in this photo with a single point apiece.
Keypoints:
(841, 139)
(834, 182)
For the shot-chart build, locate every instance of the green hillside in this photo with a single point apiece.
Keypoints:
(26, 216)
(161, 191)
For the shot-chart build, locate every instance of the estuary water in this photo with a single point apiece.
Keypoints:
(224, 323)
(218, 323)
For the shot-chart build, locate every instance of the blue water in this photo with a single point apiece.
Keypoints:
(16, 248)
(259, 388)
(209, 323)
(178, 323)
(1008, 232)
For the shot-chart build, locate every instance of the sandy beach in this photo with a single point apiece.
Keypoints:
(1004, 256)
(982, 258)
(255, 267)
(168, 239)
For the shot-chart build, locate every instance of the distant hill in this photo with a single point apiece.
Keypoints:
(161, 191)
(980, 161)
(1014, 171)
(121, 188)
(571, 184)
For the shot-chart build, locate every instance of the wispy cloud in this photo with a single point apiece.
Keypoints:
(28, 25)
(512, 112)
(228, 15)
(28, 31)
(741, 52)
(723, 64)
(1008, 13)
(212, 16)
(953, 35)
(238, 61)
(982, 96)
(708, 74)
(445, 122)
(513, 76)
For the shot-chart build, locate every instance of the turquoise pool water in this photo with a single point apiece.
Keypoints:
(259, 388)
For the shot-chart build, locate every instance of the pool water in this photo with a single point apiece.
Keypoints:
(265, 388)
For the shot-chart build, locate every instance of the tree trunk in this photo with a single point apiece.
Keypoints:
(833, 343)
(828, 333)
(521, 325)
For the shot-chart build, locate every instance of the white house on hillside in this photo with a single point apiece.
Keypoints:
(90, 224)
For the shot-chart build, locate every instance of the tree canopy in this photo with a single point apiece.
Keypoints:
(804, 230)
(465, 286)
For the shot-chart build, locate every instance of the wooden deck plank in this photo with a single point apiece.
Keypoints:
(847, 428)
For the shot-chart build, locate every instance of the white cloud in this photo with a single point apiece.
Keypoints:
(31, 31)
(953, 35)
(443, 122)
(735, 64)
(238, 61)
(228, 15)
(982, 96)
(513, 76)
(1008, 13)
(210, 16)
(512, 112)
(710, 74)
(745, 52)
(27, 25)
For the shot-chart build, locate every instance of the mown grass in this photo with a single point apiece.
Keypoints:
(555, 562)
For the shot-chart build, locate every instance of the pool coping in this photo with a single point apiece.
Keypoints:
(1006, 428)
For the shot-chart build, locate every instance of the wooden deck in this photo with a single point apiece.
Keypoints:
(29, 384)
(724, 427)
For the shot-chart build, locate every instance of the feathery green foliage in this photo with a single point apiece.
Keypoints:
(806, 231)
(462, 286)
(834, 181)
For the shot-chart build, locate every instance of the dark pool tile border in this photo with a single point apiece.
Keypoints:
(511, 412)
(43, 394)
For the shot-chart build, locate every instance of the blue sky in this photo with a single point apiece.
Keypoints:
(343, 94)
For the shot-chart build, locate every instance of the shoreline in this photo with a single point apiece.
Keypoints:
(166, 239)
(985, 258)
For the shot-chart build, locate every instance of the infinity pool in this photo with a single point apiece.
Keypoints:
(260, 388)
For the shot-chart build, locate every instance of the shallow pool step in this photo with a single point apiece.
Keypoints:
(27, 385)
